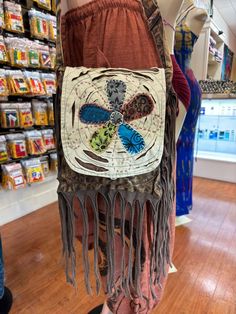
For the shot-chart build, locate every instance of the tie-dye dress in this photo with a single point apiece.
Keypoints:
(185, 40)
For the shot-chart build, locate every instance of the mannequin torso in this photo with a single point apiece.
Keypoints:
(169, 11)
(195, 17)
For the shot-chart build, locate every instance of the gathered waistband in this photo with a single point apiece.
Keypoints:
(96, 6)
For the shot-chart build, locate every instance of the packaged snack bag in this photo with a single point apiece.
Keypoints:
(49, 83)
(40, 112)
(3, 51)
(33, 54)
(3, 149)
(17, 48)
(25, 115)
(51, 121)
(17, 83)
(33, 170)
(52, 27)
(53, 162)
(48, 138)
(44, 4)
(53, 56)
(9, 115)
(35, 83)
(4, 90)
(39, 24)
(45, 165)
(35, 142)
(2, 21)
(44, 57)
(13, 178)
(16, 145)
(13, 17)
(54, 9)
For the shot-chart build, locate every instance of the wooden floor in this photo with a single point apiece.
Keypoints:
(205, 256)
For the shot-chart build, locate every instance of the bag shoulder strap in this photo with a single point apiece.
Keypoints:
(156, 27)
(59, 50)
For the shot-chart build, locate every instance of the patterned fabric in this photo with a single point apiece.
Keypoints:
(184, 43)
(130, 221)
(113, 128)
(1, 271)
(180, 84)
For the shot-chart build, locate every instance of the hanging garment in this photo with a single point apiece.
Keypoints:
(129, 221)
(180, 84)
(1, 271)
(184, 44)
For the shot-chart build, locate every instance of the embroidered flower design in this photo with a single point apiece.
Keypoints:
(117, 118)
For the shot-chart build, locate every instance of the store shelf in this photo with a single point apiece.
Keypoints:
(218, 96)
(216, 156)
(15, 204)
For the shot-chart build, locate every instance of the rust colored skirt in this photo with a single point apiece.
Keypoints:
(115, 33)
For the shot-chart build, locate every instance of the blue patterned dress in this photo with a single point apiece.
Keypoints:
(185, 40)
(1, 272)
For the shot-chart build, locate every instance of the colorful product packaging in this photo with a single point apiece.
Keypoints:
(35, 83)
(45, 57)
(53, 162)
(54, 9)
(4, 91)
(39, 24)
(45, 165)
(53, 56)
(35, 142)
(9, 115)
(17, 83)
(48, 138)
(49, 83)
(17, 48)
(13, 177)
(33, 55)
(25, 115)
(3, 149)
(33, 170)
(40, 112)
(3, 51)
(13, 17)
(44, 4)
(51, 120)
(16, 145)
(52, 27)
(2, 21)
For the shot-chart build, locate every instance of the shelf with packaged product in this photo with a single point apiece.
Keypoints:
(27, 86)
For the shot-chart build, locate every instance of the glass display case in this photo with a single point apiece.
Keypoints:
(216, 129)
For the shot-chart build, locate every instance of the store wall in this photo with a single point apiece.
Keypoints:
(228, 36)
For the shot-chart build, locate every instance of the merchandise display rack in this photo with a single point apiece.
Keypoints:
(28, 199)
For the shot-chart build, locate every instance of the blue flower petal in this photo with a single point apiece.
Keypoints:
(93, 114)
(131, 139)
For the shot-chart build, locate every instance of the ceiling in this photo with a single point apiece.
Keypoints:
(227, 9)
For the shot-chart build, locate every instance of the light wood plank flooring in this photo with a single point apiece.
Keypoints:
(205, 256)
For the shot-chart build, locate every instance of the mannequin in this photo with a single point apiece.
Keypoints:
(169, 11)
(196, 17)
(189, 25)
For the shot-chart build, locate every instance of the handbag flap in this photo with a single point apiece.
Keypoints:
(113, 120)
